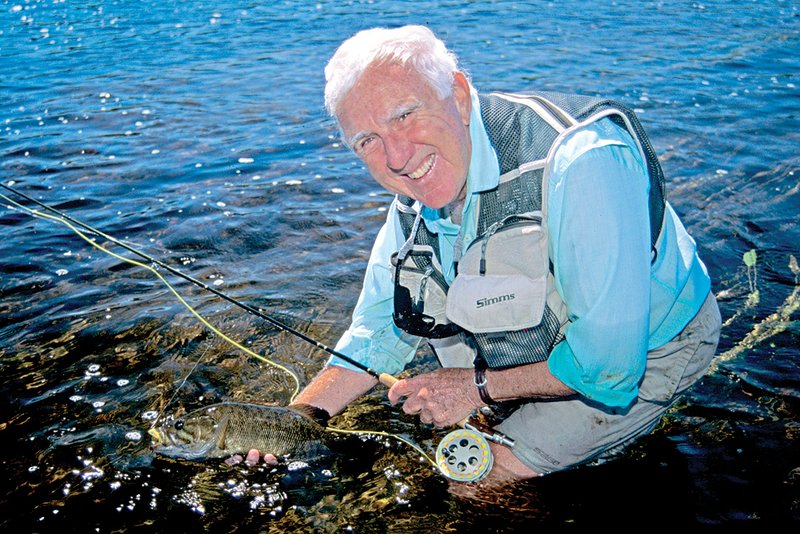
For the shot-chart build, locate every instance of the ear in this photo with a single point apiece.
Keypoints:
(462, 96)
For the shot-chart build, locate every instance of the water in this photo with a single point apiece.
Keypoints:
(195, 131)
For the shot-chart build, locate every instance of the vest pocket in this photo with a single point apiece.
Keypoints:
(518, 347)
(491, 303)
(502, 294)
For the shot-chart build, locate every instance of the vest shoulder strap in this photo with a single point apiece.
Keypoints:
(523, 126)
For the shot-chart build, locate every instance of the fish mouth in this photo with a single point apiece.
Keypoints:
(156, 435)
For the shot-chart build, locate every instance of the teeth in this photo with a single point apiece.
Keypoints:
(419, 173)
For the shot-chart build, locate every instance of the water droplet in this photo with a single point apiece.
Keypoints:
(296, 465)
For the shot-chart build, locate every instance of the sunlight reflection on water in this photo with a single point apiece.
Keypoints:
(197, 134)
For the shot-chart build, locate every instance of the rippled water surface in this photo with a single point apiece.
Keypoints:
(195, 132)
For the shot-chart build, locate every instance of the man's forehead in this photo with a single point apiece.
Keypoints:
(392, 83)
(385, 93)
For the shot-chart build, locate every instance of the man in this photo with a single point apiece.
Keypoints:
(581, 300)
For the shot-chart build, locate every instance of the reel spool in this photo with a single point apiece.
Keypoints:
(464, 455)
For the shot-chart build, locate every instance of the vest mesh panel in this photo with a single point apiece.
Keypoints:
(518, 347)
(516, 132)
(582, 107)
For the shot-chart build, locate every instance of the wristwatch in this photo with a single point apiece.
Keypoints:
(481, 382)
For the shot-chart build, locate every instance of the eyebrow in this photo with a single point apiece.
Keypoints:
(356, 138)
(403, 109)
(399, 112)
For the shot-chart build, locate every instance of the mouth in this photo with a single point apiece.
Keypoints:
(423, 169)
(156, 436)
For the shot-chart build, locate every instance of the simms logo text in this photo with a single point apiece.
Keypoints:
(480, 303)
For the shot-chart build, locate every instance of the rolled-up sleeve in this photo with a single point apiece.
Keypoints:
(599, 232)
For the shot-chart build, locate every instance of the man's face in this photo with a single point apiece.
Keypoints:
(412, 142)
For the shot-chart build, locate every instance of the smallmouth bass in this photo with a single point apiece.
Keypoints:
(224, 429)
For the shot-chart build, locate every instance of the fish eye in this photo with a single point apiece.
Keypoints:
(178, 424)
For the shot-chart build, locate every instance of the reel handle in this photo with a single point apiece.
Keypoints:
(387, 380)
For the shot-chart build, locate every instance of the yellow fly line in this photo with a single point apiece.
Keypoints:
(296, 390)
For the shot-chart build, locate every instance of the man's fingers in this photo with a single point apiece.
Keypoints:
(233, 460)
(252, 457)
(400, 389)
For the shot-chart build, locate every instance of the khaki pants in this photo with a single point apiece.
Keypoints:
(555, 435)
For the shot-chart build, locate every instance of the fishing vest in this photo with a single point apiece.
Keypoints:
(502, 308)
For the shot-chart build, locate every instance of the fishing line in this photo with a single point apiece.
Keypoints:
(457, 445)
(382, 377)
(180, 386)
(72, 223)
(411, 444)
(68, 221)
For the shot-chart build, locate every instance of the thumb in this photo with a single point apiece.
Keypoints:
(400, 389)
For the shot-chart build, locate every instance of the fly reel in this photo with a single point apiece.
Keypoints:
(464, 455)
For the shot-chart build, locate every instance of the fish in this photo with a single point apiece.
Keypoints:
(223, 429)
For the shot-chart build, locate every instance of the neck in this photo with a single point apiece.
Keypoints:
(454, 209)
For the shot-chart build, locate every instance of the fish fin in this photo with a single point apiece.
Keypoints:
(318, 415)
(185, 454)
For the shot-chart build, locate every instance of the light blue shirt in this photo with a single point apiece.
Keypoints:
(620, 306)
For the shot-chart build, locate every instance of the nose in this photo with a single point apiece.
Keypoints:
(399, 151)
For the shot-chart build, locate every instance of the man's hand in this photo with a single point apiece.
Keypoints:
(444, 397)
(253, 457)
(317, 415)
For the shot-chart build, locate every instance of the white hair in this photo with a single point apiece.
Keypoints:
(408, 45)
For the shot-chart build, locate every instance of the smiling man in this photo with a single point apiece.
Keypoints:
(414, 142)
(530, 244)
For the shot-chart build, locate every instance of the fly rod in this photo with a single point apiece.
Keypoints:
(462, 455)
(384, 378)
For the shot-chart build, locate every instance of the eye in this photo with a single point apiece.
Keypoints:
(178, 424)
(364, 144)
(404, 116)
